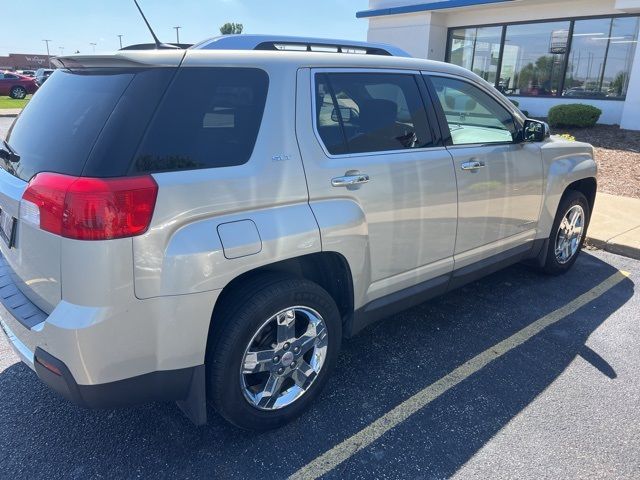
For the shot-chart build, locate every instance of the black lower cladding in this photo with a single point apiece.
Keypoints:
(417, 294)
(18, 305)
(165, 385)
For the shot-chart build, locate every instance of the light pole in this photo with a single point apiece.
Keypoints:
(93, 45)
(48, 56)
(120, 38)
(177, 29)
(61, 50)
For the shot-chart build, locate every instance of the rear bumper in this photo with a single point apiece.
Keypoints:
(126, 352)
(168, 385)
(22, 350)
(165, 385)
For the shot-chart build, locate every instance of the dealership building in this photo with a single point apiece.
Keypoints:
(24, 61)
(539, 52)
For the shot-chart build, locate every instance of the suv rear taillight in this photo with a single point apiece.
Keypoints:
(86, 208)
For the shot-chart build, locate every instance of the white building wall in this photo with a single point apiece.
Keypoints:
(539, 107)
(424, 35)
(630, 117)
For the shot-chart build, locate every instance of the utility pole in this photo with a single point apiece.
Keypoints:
(93, 44)
(177, 34)
(120, 38)
(48, 56)
(61, 50)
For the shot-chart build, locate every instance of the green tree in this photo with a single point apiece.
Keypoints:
(617, 87)
(231, 28)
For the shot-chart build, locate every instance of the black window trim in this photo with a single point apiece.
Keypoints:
(442, 119)
(571, 21)
(431, 112)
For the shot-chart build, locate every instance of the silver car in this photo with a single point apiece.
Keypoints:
(206, 225)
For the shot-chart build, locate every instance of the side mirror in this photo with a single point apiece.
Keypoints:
(345, 112)
(535, 131)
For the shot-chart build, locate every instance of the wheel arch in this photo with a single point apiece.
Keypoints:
(330, 270)
(587, 186)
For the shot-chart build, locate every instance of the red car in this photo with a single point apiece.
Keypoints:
(16, 85)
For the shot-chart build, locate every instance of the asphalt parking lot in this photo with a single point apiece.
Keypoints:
(430, 393)
(562, 403)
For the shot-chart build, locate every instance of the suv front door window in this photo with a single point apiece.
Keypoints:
(499, 178)
(472, 115)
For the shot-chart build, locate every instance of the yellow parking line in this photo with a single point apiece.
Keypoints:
(365, 437)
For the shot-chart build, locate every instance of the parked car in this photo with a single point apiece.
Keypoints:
(221, 255)
(27, 73)
(42, 74)
(15, 85)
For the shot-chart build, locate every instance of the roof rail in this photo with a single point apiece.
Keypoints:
(299, 44)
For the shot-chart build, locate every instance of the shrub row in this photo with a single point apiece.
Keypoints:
(570, 115)
(574, 115)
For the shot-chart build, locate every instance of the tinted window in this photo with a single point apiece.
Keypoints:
(370, 112)
(59, 126)
(473, 116)
(210, 117)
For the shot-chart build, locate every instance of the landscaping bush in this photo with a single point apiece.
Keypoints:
(574, 115)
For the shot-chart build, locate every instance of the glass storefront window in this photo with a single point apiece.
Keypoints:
(539, 59)
(622, 48)
(601, 54)
(533, 59)
(478, 50)
(587, 58)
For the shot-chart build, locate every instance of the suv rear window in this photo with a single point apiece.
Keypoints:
(62, 122)
(111, 122)
(210, 117)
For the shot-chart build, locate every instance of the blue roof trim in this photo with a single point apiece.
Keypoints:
(425, 7)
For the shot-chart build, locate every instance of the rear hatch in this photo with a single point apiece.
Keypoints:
(85, 121)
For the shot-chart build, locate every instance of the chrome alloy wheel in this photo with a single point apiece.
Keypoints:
(284, 358)
(570, 234)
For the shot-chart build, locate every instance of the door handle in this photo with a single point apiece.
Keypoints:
(472, 165)
(350, 180)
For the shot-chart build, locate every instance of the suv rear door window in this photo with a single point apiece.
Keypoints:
(370, 112)
(209, 117)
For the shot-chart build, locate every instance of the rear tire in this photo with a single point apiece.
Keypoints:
(18, 93)
(272, 349)
(568, 233)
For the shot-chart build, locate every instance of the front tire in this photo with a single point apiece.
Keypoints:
(18, 93)
(568, 233)
(274, 347)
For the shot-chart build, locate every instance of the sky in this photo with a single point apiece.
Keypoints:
(75, 24)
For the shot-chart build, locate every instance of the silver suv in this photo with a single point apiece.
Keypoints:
(206, 225)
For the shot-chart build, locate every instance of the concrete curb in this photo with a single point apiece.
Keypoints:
(615, 225)
(612, 247)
